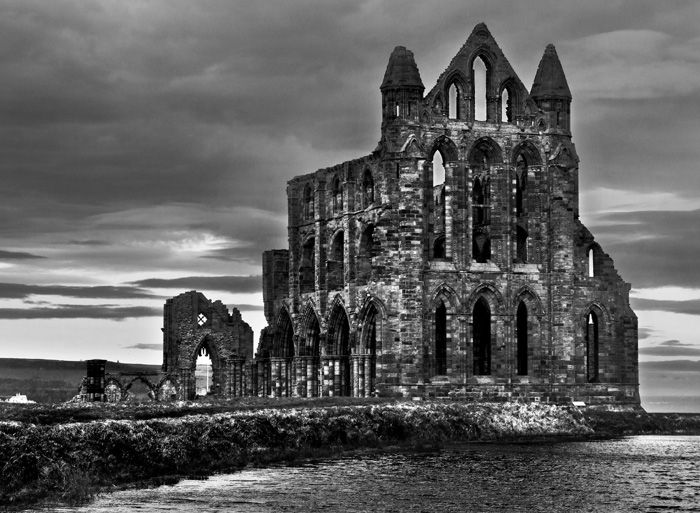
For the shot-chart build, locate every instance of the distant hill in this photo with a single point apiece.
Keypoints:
(52, 381)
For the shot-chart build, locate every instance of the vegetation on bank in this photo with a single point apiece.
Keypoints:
(69, 452)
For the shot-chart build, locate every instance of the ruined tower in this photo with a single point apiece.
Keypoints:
(484, 284)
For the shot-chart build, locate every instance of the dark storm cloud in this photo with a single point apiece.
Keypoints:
(22, 291)
(109, 312)
(89, 242)
(17, 255)
(645, 333)
(235, 284)
(670, 348)
(690, 307)
(249, 308)
(654, 248)
(150, 347)
(671, 366)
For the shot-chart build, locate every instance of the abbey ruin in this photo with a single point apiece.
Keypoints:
(481, 284)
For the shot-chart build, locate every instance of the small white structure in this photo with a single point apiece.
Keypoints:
(19, 398)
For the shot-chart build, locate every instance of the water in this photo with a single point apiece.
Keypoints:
(642, 473)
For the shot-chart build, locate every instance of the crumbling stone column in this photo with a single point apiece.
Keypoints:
(187, 384)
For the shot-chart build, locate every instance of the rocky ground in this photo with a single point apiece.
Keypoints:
(69, 452)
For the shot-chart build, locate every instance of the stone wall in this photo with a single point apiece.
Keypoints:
(504, 307)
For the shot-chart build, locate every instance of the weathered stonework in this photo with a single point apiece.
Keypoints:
(485, 286)
(192, 325)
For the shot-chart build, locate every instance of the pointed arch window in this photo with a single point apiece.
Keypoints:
(308, 202)
(337, 195)
(438, 169)
(439, 247)
(592, 348)
(479, 77)
(506, 106)
(521, 245)
(367, 189)
(307, 267)
(481, 218)
(441, 339)
(481, 338)
(335, 272)
(520, 186)
(521, 329)
(455, 101)
(367, 250)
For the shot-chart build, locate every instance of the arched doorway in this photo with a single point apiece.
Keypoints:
(364, 358)
(336, 364)
(281, 373)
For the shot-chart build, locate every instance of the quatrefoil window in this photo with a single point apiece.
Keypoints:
(201, 319)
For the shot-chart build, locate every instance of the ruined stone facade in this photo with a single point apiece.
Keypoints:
(192, 326)
(486, 285)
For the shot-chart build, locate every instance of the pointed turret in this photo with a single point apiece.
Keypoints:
(550, 80)
(402, 87)
(401, 70)
(550, 90)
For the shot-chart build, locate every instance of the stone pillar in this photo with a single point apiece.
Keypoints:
(327, 379)
(276, 381)
(369, 374)
(355, 371)
(361, 376)
(312, 373)
(337, 377)
(300, 363)
(186, 384)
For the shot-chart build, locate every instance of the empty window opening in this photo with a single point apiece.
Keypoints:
(307, 267)
(481, 338)
(203, 374)
(338, 344)
(439, 250)
(397, 110)
(521, 245)
(521, 349)
(308, 202)
(337, 195)
(441, 340)
(367, 189)
(481, 213)
(481, 246)
(201, 320)
(591, 265)
(520, 186)
(438, 169)
(336, 265)
(479, 74)
(592, 348)
(454, 102)
(368, 249)
(138, 391)
(506, 106)
(478, 203)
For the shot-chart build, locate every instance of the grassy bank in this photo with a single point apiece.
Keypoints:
(68, 453)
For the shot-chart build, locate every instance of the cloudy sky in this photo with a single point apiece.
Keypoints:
(145, 147)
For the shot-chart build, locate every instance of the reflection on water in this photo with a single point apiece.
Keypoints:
(644, 473)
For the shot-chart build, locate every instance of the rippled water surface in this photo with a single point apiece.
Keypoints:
(644, 473)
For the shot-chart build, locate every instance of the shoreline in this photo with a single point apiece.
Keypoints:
(85, 450)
